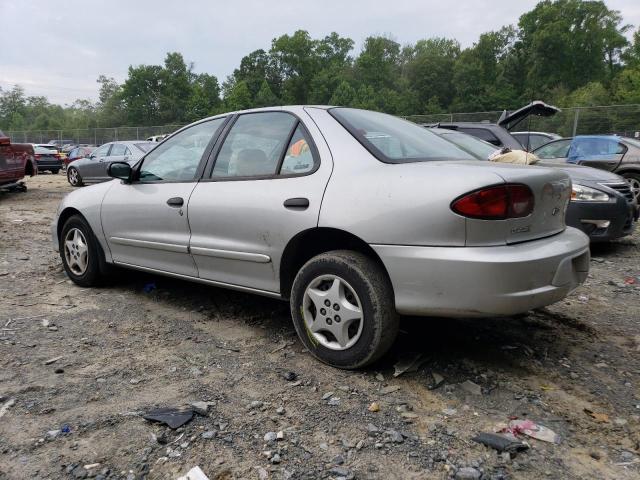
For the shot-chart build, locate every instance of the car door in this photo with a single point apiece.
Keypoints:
(145, 221)
(602, 152)
(92, 168)
(265, 186)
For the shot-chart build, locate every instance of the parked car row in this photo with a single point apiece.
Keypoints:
(352, 216)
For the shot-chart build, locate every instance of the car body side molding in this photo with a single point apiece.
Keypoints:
(231, 254)
(169, 247)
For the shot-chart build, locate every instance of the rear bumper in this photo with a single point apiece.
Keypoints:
(49, 164)
(621, 215)
(486, 281)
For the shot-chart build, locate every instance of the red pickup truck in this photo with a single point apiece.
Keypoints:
(16, 161)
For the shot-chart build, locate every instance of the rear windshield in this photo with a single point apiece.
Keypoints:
(393, 140)
(145, 147)
(45, 150)
(476, 147)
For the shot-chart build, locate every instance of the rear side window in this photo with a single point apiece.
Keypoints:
(482, 134)
(393, 140)
(265, 144)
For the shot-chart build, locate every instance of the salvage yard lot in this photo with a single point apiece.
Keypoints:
(127, 348)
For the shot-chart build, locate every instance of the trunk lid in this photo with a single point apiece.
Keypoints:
(552, 191)
(512, 119)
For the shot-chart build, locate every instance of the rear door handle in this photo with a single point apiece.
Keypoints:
(297, 203)
(175, 202)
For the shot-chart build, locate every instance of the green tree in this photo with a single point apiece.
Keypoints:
(238, 97)
(174, 89)
(141, 94)
(344, 95)
(204, 99)
(265, 97)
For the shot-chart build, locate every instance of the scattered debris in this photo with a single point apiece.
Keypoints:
(437, 380)
(500, 442)
(409, 362)
(195, 473)
(290, 376)
(374, 407)
(7, 405)
(173, 417)
(598, 417)
(533, 430)
(468, 473)
(52, 360)
(470, 387)
(389, 389)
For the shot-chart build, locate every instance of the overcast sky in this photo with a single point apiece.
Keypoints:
(58, 48)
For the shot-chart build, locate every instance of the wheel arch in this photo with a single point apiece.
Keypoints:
(69, 212)
(314, 241)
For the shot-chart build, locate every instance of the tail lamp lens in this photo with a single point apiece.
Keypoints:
(496, 203)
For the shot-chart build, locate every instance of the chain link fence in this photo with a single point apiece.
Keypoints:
(622, 120)
(90, 136)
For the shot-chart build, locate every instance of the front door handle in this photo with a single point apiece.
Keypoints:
(175, 202)
(297, 203)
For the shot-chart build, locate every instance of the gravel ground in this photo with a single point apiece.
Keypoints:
(78, 367)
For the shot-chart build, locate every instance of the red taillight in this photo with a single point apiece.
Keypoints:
(496, 203)
(57, 155)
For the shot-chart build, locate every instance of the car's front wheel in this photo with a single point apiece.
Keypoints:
(80, 252)
(343, 309)
(73, 176)
(633, 179)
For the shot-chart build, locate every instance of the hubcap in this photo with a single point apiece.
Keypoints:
(332, 312)
(634, 183)
(73, 176)
(76, 251)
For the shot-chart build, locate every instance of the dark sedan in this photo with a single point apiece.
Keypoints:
(47, 158)
(602, 203)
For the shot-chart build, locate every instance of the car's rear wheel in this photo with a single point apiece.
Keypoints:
(633, 179)
(343, 309)
(73, 176)
(55, 171)
(80, 252)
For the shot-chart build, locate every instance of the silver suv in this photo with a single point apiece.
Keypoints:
(354, 217)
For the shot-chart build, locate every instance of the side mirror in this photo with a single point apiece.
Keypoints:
(121, 170)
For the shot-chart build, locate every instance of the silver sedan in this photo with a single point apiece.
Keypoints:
(93, 168)
(352, 216)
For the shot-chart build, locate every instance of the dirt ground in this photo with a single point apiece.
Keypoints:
(120, 351)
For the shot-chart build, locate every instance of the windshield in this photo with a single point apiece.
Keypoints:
(145, 147)
(393, 140)
(470, 144)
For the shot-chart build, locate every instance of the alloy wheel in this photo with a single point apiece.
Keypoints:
(332, 312)
(634, 183)
(76, 251)
(73, 176)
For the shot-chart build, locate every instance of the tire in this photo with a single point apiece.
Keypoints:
(73, 177)
(633, 178)
(87, 253)
(55, 171)
(366, 339)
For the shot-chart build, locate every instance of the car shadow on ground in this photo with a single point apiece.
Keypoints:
(620, 247)
(493, 343)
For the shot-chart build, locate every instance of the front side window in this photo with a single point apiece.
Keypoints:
(559, 149)
(255, 145)
(177, 159)
(596, 147)
(393, 140)
(102, 151)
